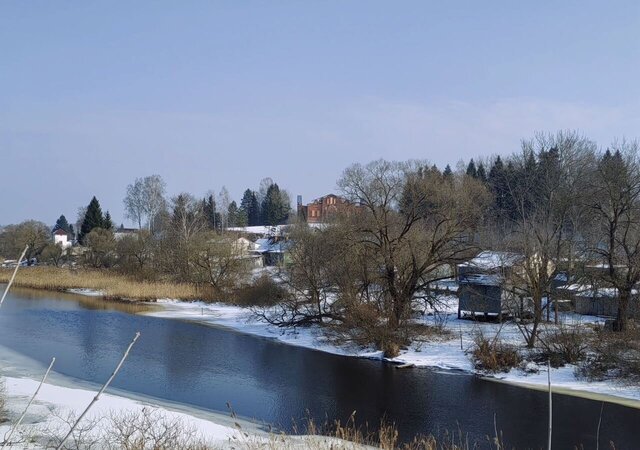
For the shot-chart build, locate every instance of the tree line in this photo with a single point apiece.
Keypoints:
(561, 203)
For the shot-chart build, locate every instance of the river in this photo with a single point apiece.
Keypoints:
(206, 367)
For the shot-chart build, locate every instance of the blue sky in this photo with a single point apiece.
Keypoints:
(206, 94)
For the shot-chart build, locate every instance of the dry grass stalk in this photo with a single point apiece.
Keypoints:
(7, 439)
(106, 385)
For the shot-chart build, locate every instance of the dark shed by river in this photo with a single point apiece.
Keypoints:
(482, 283)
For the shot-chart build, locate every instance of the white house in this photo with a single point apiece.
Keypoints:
(60, 237)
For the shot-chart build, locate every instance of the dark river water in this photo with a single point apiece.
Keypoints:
(206, 367)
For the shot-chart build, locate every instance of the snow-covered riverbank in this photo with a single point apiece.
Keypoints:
(445, 353)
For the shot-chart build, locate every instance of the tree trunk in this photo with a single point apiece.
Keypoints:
(623, 307)
(537, 318)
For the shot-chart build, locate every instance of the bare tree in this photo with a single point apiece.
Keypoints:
(365, 272)
(616, 212)
(550, 177)
(14, 238)
(145, 199)
(415, 223)
(187, 220)
(218, 261)
(223, 205)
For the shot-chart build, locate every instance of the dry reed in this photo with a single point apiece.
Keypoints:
(113, 285)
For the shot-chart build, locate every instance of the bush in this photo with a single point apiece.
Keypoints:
(261, 292)
(150, 429)
(493, 355)
(614, 355)
(565, 345)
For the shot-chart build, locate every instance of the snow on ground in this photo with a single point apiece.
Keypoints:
(448, 353)
(66, 400)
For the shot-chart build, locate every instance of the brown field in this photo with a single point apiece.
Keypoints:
(114, 285)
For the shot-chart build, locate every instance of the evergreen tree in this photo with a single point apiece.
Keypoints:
(274, 209)
(233, 215)
(498, 183)
(448, 173)
(93, 218)
(482, 173)
(471, 169)
(107, 223)
(210, 212)
(254, 214)
(249, 208)
(63, 224)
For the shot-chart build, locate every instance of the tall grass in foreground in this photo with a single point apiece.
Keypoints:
(113, 285)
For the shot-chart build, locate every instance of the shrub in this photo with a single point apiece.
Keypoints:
(493, 355)
(261, 292)
(565, 345)
(150, 429)
(614, 355)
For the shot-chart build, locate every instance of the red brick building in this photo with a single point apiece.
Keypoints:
(321, 209)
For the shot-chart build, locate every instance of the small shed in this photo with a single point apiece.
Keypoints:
(273, 250)
(482, 283)
(600, 301)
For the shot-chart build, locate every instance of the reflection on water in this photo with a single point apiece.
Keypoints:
(85, 301)
(206, 367)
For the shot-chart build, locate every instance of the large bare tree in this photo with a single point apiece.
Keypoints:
(615, 203)
(547, 186)
(145, 199)
(367, 270)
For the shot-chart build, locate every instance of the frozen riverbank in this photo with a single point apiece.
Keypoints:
(450, 353)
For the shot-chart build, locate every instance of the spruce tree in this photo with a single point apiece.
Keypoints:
(92, 219)
(274, 210)
(249, 208)
(107, 223)
(254, 214)
(233, 214)
(482, 173)
(498, 184)
(211, 215)
(63, 224)
(448, 173)
(471, 169)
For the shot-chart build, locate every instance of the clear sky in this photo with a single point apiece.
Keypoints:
(206, 94)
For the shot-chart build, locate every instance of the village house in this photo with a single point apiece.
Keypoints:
(61, 238)
(122, 232)
(482, 284)
(322, 209)
(273, 250)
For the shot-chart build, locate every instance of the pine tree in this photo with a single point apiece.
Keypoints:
(211, 215)
(233, 215)
(63, 224)
(448, 173)
(92, 219)
(274, 210)
(482, 173)
(107, 224)
(254, 214)
(498, 183)
(471, 169)
(249, 208)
